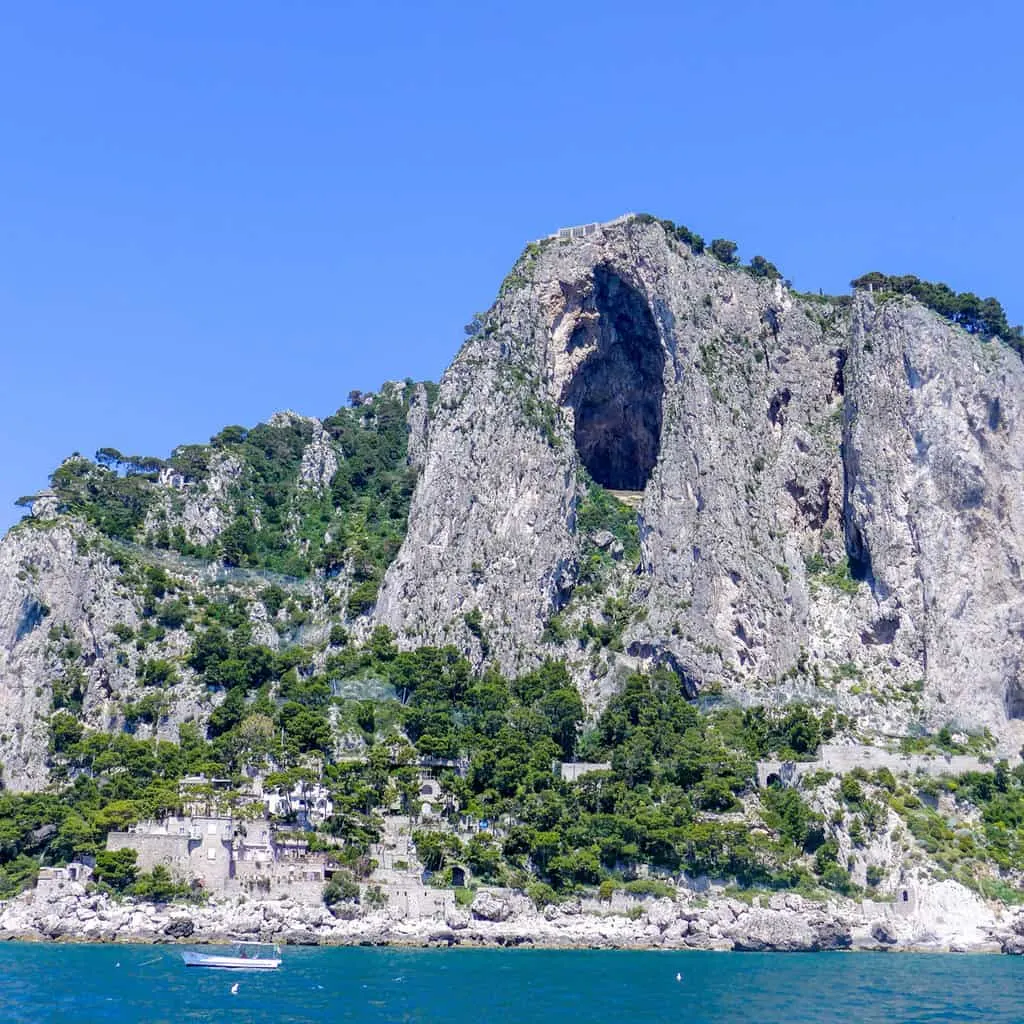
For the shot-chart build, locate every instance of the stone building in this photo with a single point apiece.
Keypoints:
(228, 855)
(51, 880)
(269, 862)
(193, 848)
(570, 771)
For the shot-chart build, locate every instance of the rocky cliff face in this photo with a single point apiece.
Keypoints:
(642, 457)
(57, 606)
(708, 397)
(74, 641)
(828, 492)
(932, 453)
(104, 588)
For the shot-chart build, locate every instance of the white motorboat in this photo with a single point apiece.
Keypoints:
(245, 956)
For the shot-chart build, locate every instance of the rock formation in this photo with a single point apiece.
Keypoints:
(827, 491)
(46, 579)
(947, 918)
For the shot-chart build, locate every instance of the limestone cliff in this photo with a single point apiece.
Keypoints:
(642, 456)
(932, 448)
(710, 398)
(104, 587)
(58, 604)
(828, 491)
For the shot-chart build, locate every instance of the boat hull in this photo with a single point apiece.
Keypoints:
(230, 963)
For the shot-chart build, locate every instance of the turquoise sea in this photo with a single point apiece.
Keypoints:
(150, 983)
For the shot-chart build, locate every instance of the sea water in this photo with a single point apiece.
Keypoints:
(87, 984)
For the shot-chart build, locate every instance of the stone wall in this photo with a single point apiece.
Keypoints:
(573, 770)
(406, 899)
(306, 891)
(197, 848)
(228, 856)
(842, 758)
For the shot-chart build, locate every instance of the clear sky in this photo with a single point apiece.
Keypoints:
(210, 211)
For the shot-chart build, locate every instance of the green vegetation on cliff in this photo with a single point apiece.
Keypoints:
(599, 510)
(724, 250)
(984, 317)
(116, 505)
(675, 777)
(678, 793)
(276, 521)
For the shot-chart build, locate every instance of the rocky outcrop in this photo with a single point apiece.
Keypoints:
(933, 441)
(201, 507)
(765, 930)
(488, 907)
(418, 419)
(66, 597)
(179, 928)
(490, 525)
(828, 491)
(58, 596)
(783, 923)
(456, 918)
(319, 460)
(705, 391)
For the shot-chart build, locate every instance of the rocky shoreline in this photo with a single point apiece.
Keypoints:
(945, 917)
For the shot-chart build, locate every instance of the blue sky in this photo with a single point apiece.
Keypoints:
(212, 211)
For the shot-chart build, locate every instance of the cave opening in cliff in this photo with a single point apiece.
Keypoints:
(1014, 699)
(858, 554)
(616, 392)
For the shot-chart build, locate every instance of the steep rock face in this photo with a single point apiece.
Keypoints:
(706, 394)
(71, 608)
(490, 527)
(746, 484)
(48, 586)
(319, 460)
(418, 418)
(826, 492)
(201, 507)
(934, 446)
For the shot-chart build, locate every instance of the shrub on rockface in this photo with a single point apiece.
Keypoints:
(541, 894)
(159, 887)
(985, 317)
(724, 251)
(760, 267)
(17, 874)
(677, 231)
(787, 811)
(342, 888)
(116, 868)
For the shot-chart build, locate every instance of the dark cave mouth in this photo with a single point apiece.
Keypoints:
(616, 394)
(1013, 700)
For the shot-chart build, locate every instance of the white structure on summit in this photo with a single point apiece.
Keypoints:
(586, 230)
